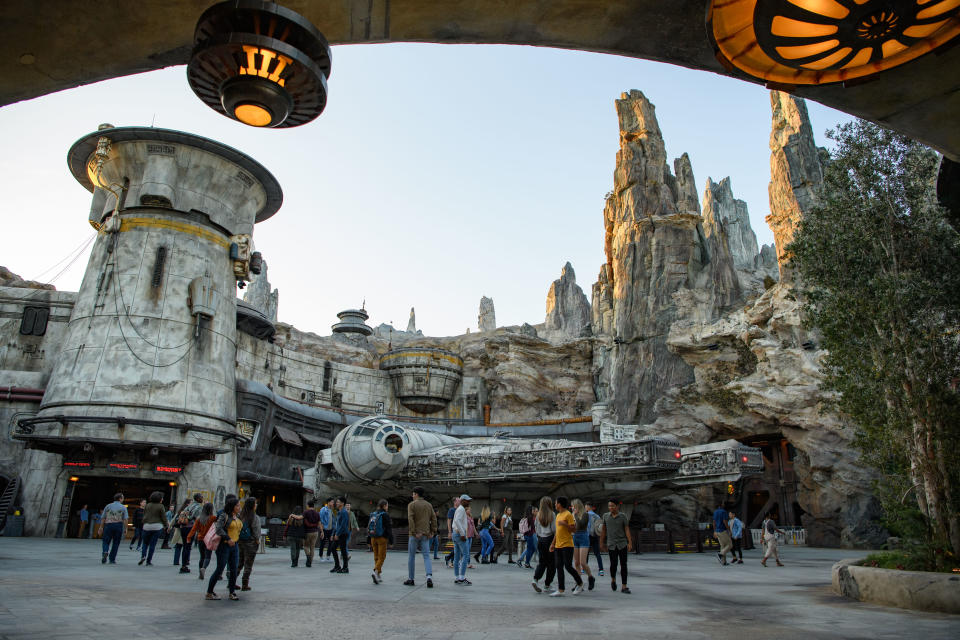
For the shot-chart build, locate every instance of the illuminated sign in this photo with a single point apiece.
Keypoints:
(163, 468)
(123, 466)
(74, 464)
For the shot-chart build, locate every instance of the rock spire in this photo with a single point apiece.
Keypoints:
(412, 322)
(487, 317)
(795, 171)
(727, 217)
(568, 311)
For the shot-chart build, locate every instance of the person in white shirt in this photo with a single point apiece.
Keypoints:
(461, 543)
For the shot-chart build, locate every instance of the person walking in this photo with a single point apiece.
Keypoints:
(326, 524)
(84, 521)
(154, 523)
(486, 540)
(722, 533)
(529, 535)
(228, 527)
(179, 540)
(615, 537)
(341, 529)
(435, 540)
(294, 533)
(249, 540)
(138, 525)
(186, 521)
(770, 532)
(114, 523)
(594, 528)
(581, 542)
(198, 531)
(545, 527)
(735, 525)
(423, 526)
(311, 530)
(506, 536)
(354, 525)
(380, 534)
(563, 547)
(165, 537)
(461, 541)
(451, 512)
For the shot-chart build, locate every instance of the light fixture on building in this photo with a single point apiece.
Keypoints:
(172, 483)
(74, 478)
(810, 42)
(259, 63)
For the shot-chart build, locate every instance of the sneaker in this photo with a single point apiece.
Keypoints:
(374, 576)
(409, 583)
(458, 582)
(577, 590)
(466, 582)
(336, 569)
(625, 589)
(429, 583)
(720, 558)
(613, 585)
(601, 572)
(103, 559)
(344, 570)
(184, 569)
(201, 570)
(557, 594)
(246, 588)
(213, 596)
(149, 564)
(779, 564)
(234, 596)
(527, 566)
(142, 560)
(763, 562)
(591, 582)
(536, 586)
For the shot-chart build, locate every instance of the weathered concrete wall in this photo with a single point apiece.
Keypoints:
(920, 590)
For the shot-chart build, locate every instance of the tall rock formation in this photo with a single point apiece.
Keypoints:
(412, 322)
(260, 295)
(728, 218)
(487, 317)
(795, 171)
(568, 312)
(657, 254)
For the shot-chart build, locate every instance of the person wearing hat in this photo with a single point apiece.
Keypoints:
(461, 543)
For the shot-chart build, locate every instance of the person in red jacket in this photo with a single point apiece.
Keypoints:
(200, 527)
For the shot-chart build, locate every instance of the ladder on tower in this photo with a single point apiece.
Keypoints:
(8, 499)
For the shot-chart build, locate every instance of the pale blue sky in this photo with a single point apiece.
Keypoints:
(436, 175)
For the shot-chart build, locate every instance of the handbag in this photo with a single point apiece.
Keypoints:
(176, 538)
(212, 540)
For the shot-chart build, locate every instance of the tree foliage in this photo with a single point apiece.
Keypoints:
(879, 268)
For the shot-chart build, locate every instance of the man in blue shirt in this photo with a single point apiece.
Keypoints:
(326, 523)
(114, 525)
(84, 521)
(735, 525)
(594, 539)
(341, 528)
(722, 532)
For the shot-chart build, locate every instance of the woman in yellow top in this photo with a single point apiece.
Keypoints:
(562, 546)
(228, 527)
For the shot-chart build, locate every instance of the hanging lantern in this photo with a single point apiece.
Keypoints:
(810, 42)
(259, 63)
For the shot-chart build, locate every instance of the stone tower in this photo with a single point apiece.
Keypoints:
(146, 375)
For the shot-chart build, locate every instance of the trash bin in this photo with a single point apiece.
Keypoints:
(13, 527)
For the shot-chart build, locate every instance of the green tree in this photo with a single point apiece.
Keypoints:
(879, 270)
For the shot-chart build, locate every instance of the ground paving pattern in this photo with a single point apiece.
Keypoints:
(58, 589)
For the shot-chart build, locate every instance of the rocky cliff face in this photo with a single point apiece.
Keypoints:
(568, 312)
(795, 171)
(656, 249)
(728, 218)
(757, 372)
(10, 279)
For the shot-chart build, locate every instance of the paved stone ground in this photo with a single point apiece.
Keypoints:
(58, 589)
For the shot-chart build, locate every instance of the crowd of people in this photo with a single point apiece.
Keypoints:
(558, 532)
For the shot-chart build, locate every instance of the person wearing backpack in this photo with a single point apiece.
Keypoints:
(186, 523)
(596, 523)
(294, 534)
(380, 534)
(225, 535)
(249, 540)
(770, 531)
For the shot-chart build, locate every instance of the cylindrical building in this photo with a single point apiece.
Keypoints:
(144, 386)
